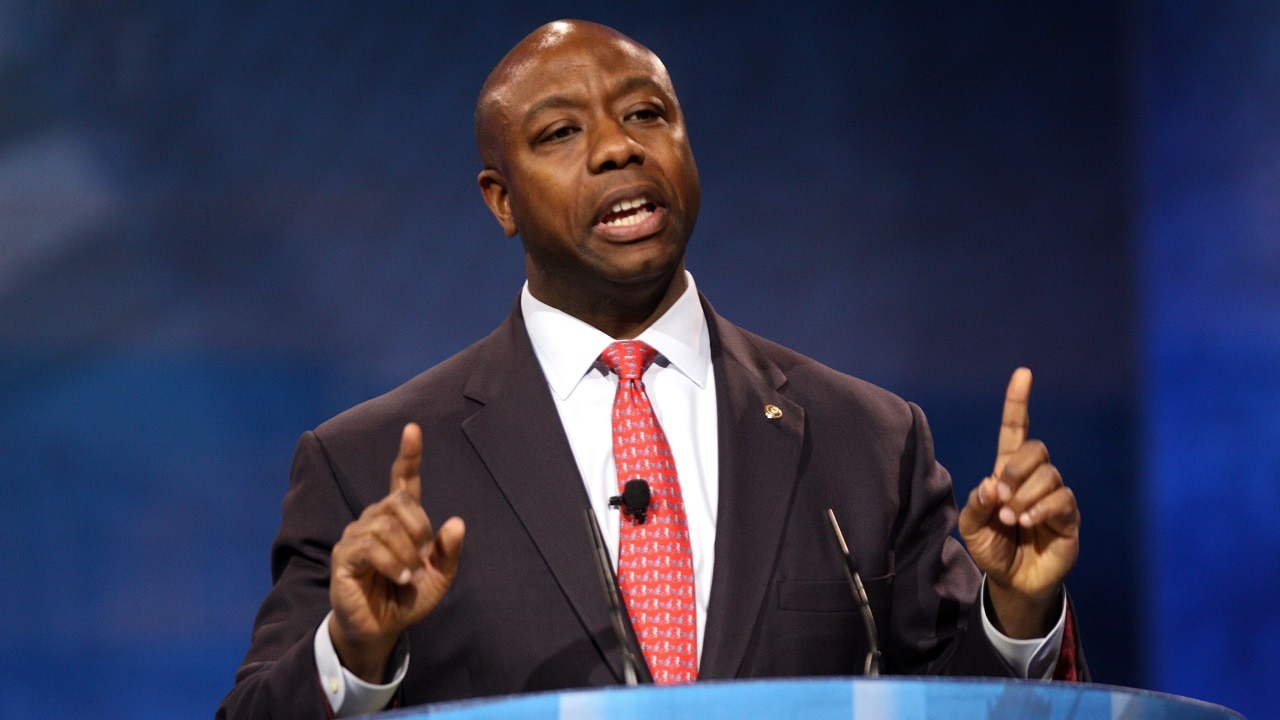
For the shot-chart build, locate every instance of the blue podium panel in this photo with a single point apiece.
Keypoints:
(832, 699)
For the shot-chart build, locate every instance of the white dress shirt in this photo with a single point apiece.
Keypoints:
(681, 387)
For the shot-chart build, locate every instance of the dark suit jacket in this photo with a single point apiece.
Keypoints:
(526, 611)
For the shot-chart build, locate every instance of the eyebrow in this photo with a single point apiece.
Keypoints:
(638, 82)
(548, 103)
(560, 100)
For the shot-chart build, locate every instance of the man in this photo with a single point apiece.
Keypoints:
(586, 159)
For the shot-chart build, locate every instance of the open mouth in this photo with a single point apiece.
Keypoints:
(630, 211)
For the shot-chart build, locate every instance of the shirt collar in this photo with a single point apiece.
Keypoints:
(567, 348)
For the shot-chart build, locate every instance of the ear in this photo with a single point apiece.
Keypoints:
(494, 189)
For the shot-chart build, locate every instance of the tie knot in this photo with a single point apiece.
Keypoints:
(628, 358)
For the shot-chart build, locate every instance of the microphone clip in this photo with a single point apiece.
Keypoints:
(634, 501)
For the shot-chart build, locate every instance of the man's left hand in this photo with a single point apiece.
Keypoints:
(1022, 525)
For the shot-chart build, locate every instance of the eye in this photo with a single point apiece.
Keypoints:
(556, 133)
(644, 114)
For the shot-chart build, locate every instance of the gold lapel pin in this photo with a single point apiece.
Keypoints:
(773, 412)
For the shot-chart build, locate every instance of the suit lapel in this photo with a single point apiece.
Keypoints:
(759, 467)
(518, 434)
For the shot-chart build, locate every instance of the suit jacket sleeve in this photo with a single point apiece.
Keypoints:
(278, 677)
(927, 533)
(942, 632)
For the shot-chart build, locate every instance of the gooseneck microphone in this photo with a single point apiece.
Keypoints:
(634, 671)
(634, 501)
(872, 666)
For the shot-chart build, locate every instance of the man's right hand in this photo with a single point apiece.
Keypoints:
(389, 569)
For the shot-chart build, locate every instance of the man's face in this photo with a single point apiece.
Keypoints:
(593, 168)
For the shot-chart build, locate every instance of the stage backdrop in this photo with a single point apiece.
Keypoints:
(222, 223)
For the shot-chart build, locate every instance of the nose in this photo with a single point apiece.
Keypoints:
(614, 148)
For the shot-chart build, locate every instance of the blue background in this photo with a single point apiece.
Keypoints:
(221, 223)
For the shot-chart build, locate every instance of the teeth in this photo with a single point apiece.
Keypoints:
(631, 219)
(623, 205)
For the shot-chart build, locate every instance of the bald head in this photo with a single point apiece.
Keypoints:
(527, 63)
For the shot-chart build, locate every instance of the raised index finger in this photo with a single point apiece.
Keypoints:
(1014, 421)
(404, 473)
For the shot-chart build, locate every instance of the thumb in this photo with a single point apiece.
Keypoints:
(447, 548)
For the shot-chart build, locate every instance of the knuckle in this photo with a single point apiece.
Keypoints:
(381, 534)
(384, 526)
(1061, 502)
(355, 532)
(1049, 476)
(402, 500)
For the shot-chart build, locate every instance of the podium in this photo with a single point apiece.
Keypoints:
(904, 698)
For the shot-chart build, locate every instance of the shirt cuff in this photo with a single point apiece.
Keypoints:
(349, 695)
(1035, 658)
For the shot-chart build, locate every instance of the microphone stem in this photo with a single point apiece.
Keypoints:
(611, 592)
(871, 668)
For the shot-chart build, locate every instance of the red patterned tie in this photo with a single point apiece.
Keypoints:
(655, 563)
